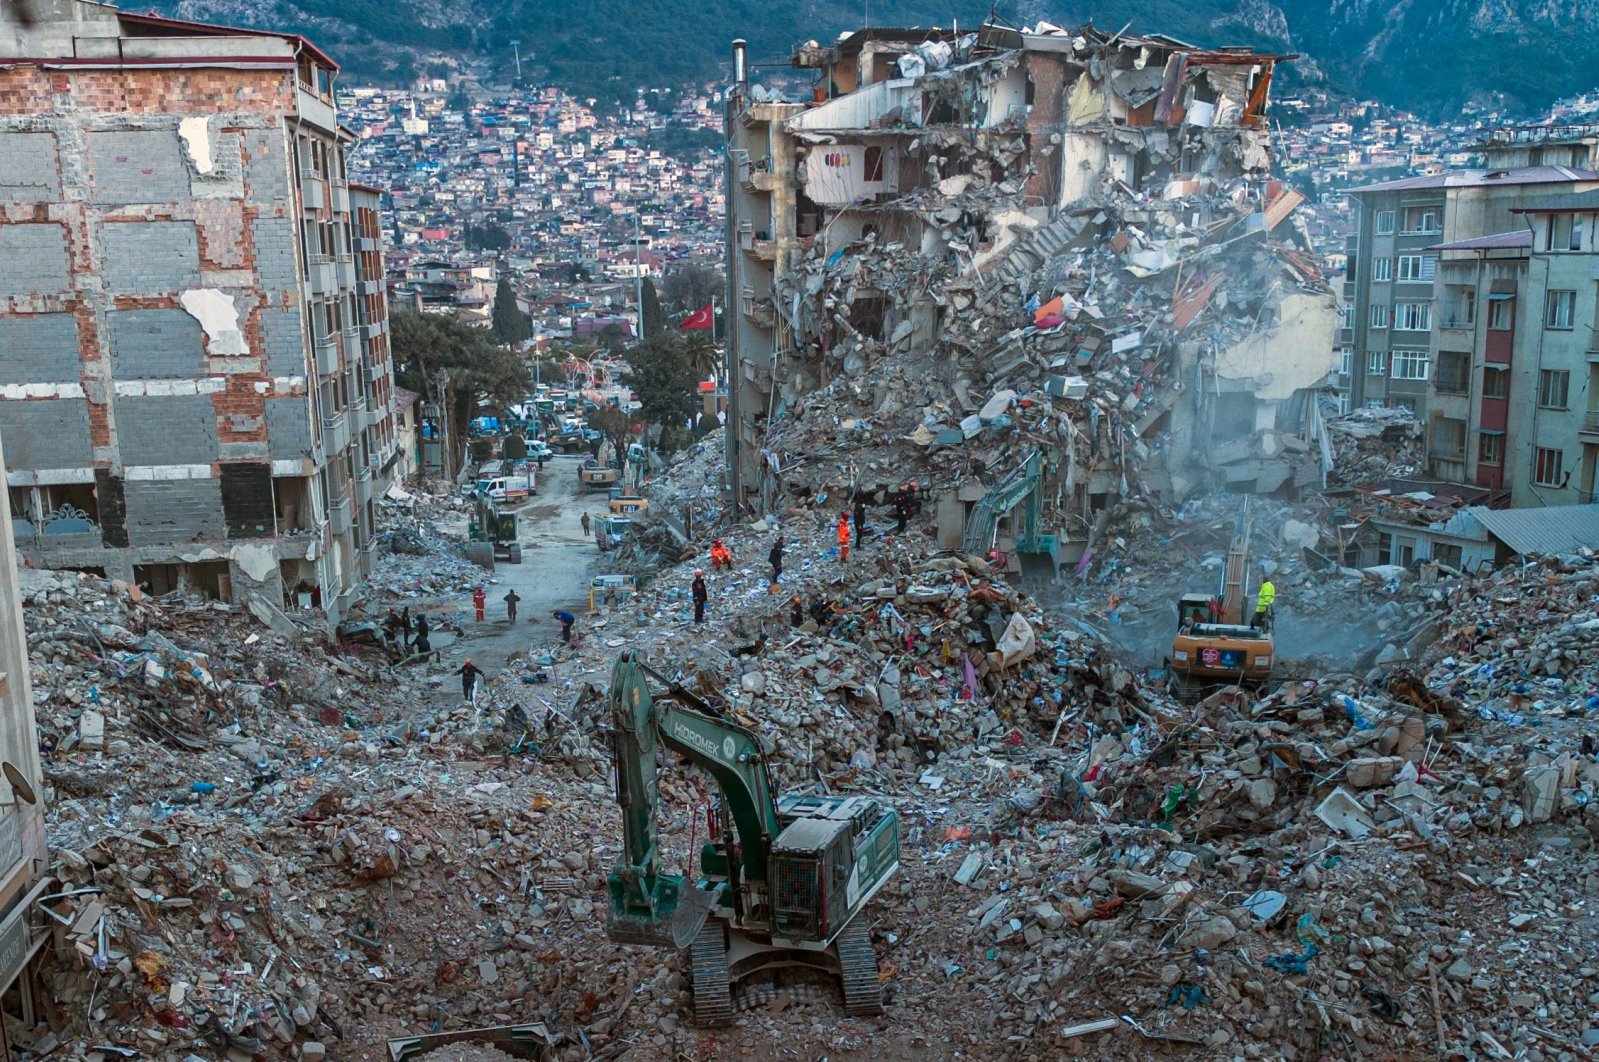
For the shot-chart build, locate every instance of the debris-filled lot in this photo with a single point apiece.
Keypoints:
(270, 847)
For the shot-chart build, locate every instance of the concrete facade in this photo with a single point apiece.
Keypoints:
(195, 383)
(23, 860)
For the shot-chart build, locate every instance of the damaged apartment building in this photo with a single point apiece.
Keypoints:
(970, 252)
(195, 384)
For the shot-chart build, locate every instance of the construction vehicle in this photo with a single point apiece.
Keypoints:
(782, 881)
(626, 502)
(594, 478)
(492, 535)
(1216, 645)
(1007, 541)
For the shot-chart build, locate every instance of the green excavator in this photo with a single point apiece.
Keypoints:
(782, 880)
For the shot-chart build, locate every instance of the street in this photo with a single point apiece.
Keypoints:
(554, 573)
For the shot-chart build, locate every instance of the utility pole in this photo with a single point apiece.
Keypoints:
(638, 272)
(516, 49)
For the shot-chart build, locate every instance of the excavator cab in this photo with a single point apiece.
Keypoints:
(1192, 609)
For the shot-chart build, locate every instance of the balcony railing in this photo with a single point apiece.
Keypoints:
(1590, 422)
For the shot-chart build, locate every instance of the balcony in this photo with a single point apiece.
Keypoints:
(324, 278)
(363, 487)
(346, 271)
(335, 434)
(341, 198)
(340, 515)
(1457, 324)
(760, 312)
(365, 243)
(373, 329)
(1593, 357)
(327, 356)
(313, 194)
(1590, 423)
(371, 287)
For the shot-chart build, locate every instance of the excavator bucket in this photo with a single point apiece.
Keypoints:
(672, 926)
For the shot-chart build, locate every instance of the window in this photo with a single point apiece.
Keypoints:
(1495, 382)
(1559, 310)
(1552, 387)
(1343, 402)
(1446, 553)
(1501, 314)
(1449, 439)
(1422, 221)
(1454, 372)
(1346, 315)
(1382, 270)
(1372, 403)
(1417, 266)
(1346, 360)
(1564, 233)
(1490, 448)
(1379, 315)
(1408, 404)
(874, 164)
(1385, 223)
(1466, 308)
(1546, 467)
(1412, 316)
(1410, 364)
(1404, 551)
(1376, 363)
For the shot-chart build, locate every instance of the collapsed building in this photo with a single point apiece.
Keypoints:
(1057, 254)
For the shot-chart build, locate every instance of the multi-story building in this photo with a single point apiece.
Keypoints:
(990, 159)
(1552, 433)
(1391, 330)
(195, 386)
(23, 863)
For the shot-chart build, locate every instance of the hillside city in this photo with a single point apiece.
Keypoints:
(990, 542)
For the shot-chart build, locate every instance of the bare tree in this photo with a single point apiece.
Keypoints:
(689, 285)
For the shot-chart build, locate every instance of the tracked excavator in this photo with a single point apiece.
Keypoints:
(1215, 643)
(782, 881)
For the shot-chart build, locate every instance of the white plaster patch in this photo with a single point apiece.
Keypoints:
(288, 385)
(258, 562)
(261, 387)
(22, 392)
(291, 467)
(196, 134)
(219, 317)
(210, 385)
(167, 472)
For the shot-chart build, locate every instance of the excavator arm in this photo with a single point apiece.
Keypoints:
(649, 906)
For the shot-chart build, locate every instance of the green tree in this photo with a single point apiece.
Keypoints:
(487, 237)
(514, 448)
(475, 368)
(510, 325)
(689, 285)
(652, 316)
(661, 373)
(706, 424)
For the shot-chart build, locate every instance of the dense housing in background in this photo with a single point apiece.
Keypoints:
(195, 383)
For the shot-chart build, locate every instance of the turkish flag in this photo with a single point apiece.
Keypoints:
(700, 319)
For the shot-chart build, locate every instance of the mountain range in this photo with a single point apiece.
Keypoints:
(1432, 56)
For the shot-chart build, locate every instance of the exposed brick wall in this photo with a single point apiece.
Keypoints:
(113, 509)
(247, 499)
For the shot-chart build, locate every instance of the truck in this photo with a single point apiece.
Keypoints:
(613, 531)
(782, 880)
(509, 488)
(595, 478)
(1216, 645)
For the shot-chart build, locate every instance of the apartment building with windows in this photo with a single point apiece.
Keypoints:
(1391, 336)
(1552, 442)
(195, 386)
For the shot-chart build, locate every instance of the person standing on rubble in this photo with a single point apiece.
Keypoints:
(479, 600)
(566, 619)
(701, 595)
(511, 598)
(859, 515)
(913, 503)
(843, 535)
(901, 511)
(420, 643)
(775, 558)
(1264, 600)
(469, 673)
(796, 612)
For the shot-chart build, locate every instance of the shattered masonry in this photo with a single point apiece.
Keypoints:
(195, 383)
(968, 248)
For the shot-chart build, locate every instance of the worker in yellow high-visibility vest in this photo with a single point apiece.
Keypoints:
(1263, 603)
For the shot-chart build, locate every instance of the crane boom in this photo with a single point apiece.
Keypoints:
(1235, 576)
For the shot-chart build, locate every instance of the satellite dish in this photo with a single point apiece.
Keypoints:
(19, 784)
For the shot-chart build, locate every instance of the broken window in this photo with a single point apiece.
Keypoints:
(1449, 439)
(1445, 553)
(874, 164)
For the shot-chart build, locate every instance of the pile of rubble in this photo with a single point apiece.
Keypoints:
(1375, 444)
(417, 558)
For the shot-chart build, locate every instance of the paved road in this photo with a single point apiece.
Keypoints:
(554, 573)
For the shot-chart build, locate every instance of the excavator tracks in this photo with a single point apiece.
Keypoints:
(863, 992)
(713, 998)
